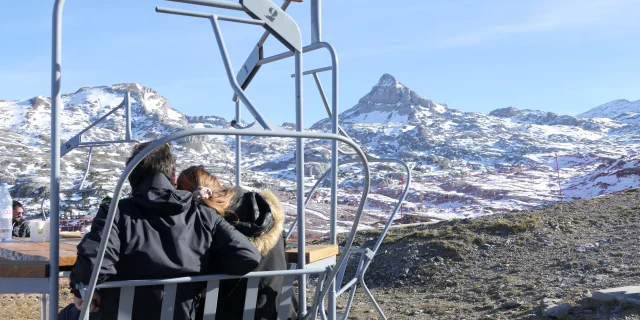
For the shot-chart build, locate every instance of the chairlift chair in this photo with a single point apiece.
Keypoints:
(277, 23)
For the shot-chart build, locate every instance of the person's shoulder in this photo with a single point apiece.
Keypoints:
(207, 214)
(124, 207)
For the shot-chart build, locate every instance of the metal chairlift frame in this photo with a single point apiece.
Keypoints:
(255, 8)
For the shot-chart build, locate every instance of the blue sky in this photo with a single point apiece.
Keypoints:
(565, 56)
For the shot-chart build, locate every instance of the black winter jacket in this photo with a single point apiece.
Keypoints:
(260, 217)
(160, 233)
(21, 228)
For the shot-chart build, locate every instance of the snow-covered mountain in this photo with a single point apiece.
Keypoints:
(25, 144)
(621, 110)
(463, 163)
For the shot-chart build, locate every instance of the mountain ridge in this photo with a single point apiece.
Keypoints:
(463, 163)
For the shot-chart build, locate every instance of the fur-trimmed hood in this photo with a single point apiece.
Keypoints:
(259, 216)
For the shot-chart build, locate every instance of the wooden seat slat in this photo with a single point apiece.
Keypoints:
(313, 253)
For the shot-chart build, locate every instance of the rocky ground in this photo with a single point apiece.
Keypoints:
(513, 265)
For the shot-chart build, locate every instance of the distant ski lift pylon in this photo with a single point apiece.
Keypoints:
(76, 142)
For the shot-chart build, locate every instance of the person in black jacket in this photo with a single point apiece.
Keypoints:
(159, 232)
(257, 215)
(20, 225)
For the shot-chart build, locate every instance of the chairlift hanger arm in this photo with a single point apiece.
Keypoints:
(121, 105)
(250, 67)
(206, 15)
(222, 4)
(225, 56)
(277, 22)
(76, 141)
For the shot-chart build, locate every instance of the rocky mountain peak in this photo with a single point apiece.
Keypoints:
(388, 101)
(508, 112)
(40, 101)
(390, 91)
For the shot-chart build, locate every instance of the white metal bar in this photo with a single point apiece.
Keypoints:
(238, 147)
(260, 274)
(168, 301)
(127, 116)
(347, 286)
(43, 306)
(125, 305)
(251, 299)
(316, 20)
(314, 71)
(86, 171)
(214, 3)
(285, 297)
(211, 301)
(302, 284)
(24, 285)
(288, 54)
(54, 188)
(196, 14)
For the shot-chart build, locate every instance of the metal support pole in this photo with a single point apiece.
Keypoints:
(316, 20)
(127, 116)
(54, 189)
(86, 171)
(238, 146)
(334, 164)
(43, 306)
(302, 281)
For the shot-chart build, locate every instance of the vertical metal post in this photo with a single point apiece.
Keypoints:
(316, 21)
(302, 283)
(238, 146)
(54, 189)
(127, 116)
(334, 170)
(43, 306)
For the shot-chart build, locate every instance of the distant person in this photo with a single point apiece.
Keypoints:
(257, 215)
(159, 232)
(20, 225)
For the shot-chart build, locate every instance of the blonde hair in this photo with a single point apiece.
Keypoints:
(196, 177)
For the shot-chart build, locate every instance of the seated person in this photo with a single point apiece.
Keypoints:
(20, 225)
(159, 232)
(257, 215)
